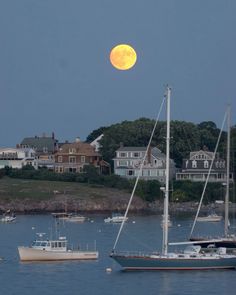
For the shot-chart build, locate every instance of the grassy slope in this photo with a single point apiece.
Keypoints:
(11, 188)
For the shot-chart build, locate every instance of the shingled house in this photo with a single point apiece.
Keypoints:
(128, 161)
(72, 157)
(196, 167)
(44, 147)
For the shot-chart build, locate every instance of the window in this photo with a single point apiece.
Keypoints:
(194, 164)
(122, 163)
(72, 159)
(59, 159)
(82, 159)
(130, 172)
(123, 155)
(153, 172)
(136, 155)
(206, 164)
(72, 151)
(161, 172)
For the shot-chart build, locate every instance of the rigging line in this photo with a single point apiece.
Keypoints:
(139, 174)
(208, 174)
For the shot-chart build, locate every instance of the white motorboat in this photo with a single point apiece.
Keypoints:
(169, 222)
(54, 250)
(71, 217)
(8, 217)
(61, 215)
(116, 218)
(75, 218)
(210, 218)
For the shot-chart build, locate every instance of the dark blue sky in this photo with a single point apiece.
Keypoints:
(55, 73)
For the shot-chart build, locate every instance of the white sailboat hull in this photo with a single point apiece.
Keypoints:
(31, 254)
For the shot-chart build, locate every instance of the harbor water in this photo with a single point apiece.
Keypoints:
(141, 233)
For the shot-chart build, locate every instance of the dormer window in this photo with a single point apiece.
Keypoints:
(45, 149)
(194, 164)
(72, 151)
(206, 164)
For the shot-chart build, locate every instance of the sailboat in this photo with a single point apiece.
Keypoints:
(228, 241)
(192, 258)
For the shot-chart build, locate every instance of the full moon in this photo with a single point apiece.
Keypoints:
(123, 57)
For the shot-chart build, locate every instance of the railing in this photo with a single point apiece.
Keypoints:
(134, 253)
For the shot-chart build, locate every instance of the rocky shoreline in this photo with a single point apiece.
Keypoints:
(101, 205)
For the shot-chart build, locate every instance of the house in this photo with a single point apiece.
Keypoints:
(44, 146)
(17, 158)
(128, 160)
(73, 157)
(197, 166)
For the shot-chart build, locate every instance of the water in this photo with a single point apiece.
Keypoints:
(91, 277)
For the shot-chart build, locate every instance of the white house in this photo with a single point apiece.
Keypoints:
(17, 157)
(128, 160)
(197, 166)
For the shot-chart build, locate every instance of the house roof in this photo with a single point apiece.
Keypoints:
(132, 149)
(157, 153)
(39, 143)
(81, 148)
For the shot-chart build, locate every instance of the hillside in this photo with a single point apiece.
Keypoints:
(46, 196)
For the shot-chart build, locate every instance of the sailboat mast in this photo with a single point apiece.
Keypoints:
(227, 174)
(166, 200)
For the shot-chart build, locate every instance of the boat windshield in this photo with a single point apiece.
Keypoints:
(40, 244)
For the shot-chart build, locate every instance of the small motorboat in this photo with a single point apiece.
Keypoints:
(8, 217)
(210, 218)
(75, 218)
(116, 218)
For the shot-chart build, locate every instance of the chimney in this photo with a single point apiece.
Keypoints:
(53, 135)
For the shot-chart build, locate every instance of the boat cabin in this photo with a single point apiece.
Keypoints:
(49, 245)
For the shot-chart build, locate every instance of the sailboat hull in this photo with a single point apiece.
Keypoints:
(156, 262)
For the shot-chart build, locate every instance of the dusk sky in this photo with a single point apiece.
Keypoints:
(55, 73)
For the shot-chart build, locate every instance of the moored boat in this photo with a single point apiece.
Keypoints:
(54, 250)
(8, 217)
(76, 218)
(116, 218)
(192, 258)
(228, 240)
(170, 224)
(210, 218)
